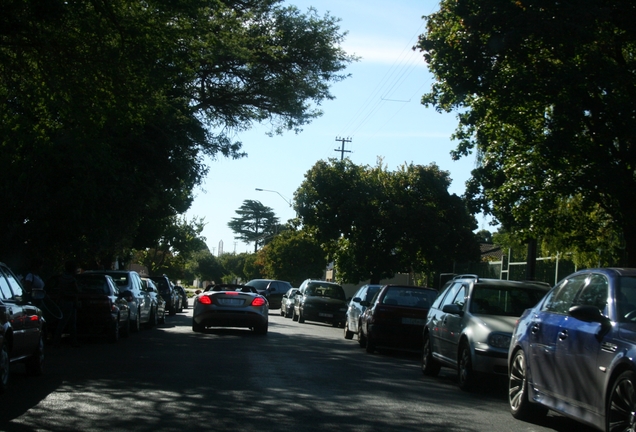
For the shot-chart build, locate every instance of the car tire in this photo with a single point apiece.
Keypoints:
(348, 334)
(301, 318)
(294, 316)
(370, 347)
(282, 312)
(162, 319)
(153, 321)
(135, 325)
(621, 403)
(113, 336)
(430, 366)
(35, 364)
(288, 314)
(362, 339)
(5, 365)
(196, 327)
(465, 374)
(172, 311)
(520, 406)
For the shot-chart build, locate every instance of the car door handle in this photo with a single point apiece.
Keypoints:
(563, 334)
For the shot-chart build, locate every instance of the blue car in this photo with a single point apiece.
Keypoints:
(575, 351)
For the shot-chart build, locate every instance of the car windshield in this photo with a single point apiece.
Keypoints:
(507, 301)
(95, 284)
(121, 279)
(330, 291)
(409, 297)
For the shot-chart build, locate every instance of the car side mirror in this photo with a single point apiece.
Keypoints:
(356, 299)
(364, 303)
(453, 309)
(587, 313)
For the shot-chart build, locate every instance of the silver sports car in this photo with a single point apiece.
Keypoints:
(229, 305)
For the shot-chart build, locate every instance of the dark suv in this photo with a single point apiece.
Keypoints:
(169, 294)
(21, 329)
(272, 289)
(320, 301)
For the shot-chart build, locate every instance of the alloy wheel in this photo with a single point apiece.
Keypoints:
(621, 408)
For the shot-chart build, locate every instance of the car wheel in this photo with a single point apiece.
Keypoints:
(35, 364)
(465, 373)
(4, 368)
(173, 311)
(520, 406)
(370, 347)
(261, 329)
(282, 312)
(135, 325)
(153, 321)
(288, 314)
(362, 339)
(348, 334)
(196, 327)
(113, 337)
(125, 328)
(294, 316)
(622, 403)
(429, 365)
(162, 318)
(301, 318)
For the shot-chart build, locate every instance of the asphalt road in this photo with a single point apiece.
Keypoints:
(300, 377)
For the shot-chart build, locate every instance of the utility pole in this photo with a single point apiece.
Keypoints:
(342, 148)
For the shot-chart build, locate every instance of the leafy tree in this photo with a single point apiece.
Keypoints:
(293, 255)
(204, 266)
(179, 240)
(375, 223)
(484, 236)
(255, 223)
(545, 96)
(111, 107)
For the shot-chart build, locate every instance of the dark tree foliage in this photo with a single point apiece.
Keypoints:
(293, 255)
(375, 223)
(546, 97)
(255, 223)
(108, 109)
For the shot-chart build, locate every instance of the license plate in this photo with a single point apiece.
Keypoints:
(230, 302)
(326, 315)
(413, 321)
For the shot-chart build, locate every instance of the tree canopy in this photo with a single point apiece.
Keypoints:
(109, 109)
(255, 223)
(375, 223)
(294, 255)
(546, 97)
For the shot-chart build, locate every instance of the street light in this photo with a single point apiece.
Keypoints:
(267, 190)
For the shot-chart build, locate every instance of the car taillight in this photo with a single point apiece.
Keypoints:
(259, 301)
(206, 300)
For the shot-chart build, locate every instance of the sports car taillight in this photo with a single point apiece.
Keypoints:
(258, 301)
(206, 300)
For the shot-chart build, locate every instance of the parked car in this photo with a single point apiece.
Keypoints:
(139, 301)
(355, 309)
(320, 301)
(470, 325)
(228, 305)
(103, 310)
(574, 352)
(272, 289)
(287, 303)
(184, 297)
(169, 294)
(21, 329)
(395, 318)
(158, 313)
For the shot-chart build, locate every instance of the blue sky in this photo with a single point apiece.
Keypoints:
(378, 107)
